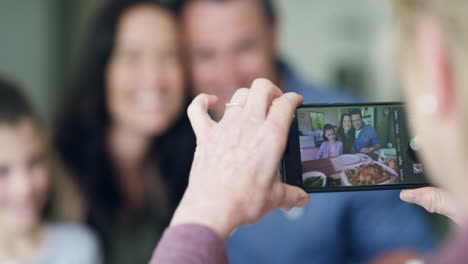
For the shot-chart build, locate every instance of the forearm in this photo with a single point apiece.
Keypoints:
(207, 214)
(190, 244)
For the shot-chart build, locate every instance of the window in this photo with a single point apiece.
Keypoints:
(317, 120)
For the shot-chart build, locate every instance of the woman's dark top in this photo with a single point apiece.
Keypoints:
(132, 240)
(348, 140)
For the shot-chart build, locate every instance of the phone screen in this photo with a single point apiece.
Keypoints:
(356, 147)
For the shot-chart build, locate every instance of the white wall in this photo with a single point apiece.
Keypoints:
(28, 46)
(38, 43)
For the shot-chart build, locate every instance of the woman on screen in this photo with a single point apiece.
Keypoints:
(346, 134)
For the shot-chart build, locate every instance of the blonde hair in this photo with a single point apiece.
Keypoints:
(452, 16)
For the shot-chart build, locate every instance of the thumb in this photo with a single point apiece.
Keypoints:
(198, 114)
(434, 200)
(292, 197)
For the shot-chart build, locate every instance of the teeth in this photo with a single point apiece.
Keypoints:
(149, 100)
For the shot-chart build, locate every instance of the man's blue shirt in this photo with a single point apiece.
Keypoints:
(336, 228)
(366, 138)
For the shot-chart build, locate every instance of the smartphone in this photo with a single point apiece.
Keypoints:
(352, 147)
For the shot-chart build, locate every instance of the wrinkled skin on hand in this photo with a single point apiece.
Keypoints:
(234, 178)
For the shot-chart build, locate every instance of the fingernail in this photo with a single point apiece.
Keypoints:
(303, 202)
(408, 196)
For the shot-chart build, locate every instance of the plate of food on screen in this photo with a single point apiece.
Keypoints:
(370, 173)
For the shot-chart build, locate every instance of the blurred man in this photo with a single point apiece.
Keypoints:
(229, 44)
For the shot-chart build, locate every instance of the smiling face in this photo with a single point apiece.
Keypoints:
(347, 123)
(357, 121)
(330, 135)
(229, 44)
(24, 176)
(145, 83)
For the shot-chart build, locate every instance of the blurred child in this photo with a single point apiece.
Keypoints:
(25, 183)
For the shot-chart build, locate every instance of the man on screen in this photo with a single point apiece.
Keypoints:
(367, 140)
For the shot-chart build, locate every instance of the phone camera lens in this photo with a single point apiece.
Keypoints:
(414, 146)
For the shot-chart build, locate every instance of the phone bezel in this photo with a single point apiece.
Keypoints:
(291, 167)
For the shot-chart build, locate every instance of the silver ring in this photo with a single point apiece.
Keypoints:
(233, 104)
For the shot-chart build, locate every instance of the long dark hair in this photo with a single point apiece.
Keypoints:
(14, 106)
(84, 120)
(341, 134)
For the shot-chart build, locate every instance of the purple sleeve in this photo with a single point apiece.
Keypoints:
(340, 147)
(322, 150)
(190, 244)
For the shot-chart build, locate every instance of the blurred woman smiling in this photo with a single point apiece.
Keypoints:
(123, 134)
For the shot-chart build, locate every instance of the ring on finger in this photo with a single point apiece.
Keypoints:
(233, 104)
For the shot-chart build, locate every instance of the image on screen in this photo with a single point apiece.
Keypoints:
(348, 146)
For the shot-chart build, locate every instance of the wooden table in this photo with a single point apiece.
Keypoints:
(322, 165)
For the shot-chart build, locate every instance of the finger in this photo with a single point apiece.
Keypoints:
(260, 98)
(239, 98)
(290, 196)
(198, 114)
(434, 200)
(283, 109)
(415, 195)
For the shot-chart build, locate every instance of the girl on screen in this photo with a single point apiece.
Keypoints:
(330, 147)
